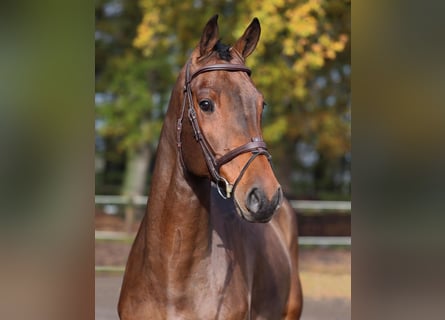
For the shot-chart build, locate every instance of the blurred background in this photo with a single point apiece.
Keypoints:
(47, 167)
(302, 65)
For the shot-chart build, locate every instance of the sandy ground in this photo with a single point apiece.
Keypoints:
(325, 275)
(107, 293)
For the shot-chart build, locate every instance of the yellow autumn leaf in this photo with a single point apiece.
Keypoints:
(330, 54)
(316, 47)
(324, 40)
(299, 66)
(289, 47)
(338, 46)
(314, 60)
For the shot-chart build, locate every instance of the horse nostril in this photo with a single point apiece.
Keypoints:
(253, 201)
(260, 207)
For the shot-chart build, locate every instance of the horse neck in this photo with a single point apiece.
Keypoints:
(175, 229)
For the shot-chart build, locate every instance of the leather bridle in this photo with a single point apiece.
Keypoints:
(256, 146)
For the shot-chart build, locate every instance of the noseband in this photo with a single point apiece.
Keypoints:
(256, 146)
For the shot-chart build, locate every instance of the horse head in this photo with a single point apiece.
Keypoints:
(223, 138)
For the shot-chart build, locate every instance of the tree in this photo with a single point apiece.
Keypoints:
(304, 62)
(136, 87)
(302, 65)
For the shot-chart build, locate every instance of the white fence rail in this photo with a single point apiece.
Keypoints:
(333, 206)
(304, 206)
(300, 205)
(126, 237)
(302, 240)
(121, 200)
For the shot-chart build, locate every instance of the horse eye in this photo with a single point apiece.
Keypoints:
(206, 105)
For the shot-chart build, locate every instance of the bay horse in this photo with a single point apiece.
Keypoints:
(218, 240)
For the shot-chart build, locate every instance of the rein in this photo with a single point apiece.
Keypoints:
(256, 146)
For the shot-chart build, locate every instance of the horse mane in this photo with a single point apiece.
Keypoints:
(223, 51)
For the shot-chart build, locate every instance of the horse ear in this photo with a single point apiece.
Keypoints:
(248, 41)
(210, 36)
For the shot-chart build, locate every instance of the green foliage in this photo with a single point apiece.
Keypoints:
(136, 85)
(302, 66)
(133, 113)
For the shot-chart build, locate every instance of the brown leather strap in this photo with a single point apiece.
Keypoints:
(218, 67)
(252, 157)
(256, 146)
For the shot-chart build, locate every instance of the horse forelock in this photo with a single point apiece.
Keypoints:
(223, 51)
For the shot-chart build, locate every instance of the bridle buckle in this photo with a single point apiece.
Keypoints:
(228, 187)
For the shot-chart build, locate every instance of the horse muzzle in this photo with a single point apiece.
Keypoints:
(259, 207)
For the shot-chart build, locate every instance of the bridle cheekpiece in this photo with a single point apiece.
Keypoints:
(256, 146)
